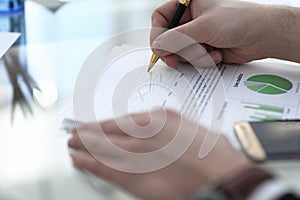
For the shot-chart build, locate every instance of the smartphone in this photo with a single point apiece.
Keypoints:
(269, 140)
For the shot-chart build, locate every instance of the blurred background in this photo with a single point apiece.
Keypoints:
(38, 75)
(56, 38)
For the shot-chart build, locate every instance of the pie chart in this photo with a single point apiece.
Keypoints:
(268, 84)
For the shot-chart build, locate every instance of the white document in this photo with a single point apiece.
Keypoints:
(215, 97)
(6, 41)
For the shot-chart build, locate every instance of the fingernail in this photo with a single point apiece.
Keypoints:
(157, 48)
(216, 57)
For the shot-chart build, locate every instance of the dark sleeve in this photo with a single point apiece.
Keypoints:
(289, 197)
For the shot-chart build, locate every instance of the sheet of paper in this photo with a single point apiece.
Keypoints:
(6, 41)
(215, 97)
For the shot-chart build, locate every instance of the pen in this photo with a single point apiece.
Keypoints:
(183, 4)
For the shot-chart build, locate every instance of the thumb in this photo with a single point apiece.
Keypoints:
(174, 40)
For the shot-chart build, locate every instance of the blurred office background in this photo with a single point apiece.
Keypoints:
(57, 37)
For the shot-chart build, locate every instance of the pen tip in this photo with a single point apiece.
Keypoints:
(150, 66)
(153, 60)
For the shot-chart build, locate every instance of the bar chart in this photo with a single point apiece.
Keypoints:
(263, 112)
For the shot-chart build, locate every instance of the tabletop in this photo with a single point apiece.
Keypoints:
(57, 37)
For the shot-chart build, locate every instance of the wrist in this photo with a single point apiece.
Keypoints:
(282, 33)
(239, 185)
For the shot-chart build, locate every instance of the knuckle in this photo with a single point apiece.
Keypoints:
(154, 16)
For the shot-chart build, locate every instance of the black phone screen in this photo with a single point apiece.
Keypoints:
(279, 138)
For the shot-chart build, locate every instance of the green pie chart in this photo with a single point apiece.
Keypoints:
(268, 84)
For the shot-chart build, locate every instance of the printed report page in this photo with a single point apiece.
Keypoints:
(215, 97)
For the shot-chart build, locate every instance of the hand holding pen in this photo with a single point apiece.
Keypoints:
(179, 12)
(218, 27)
(182, 44)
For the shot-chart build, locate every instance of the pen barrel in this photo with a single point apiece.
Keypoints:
(172, 24)
(177, 16)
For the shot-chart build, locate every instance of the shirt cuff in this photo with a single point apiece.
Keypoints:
(269, 190)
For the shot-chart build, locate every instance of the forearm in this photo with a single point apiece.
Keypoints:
(283, 33)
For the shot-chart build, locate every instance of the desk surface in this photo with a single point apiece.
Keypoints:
(57, 38)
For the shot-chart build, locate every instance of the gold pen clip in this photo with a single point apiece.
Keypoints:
(185, 2)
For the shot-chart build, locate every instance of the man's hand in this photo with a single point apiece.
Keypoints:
(179, 180)
(231, 31)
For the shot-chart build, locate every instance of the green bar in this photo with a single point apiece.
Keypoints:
(272, 108)
(267, 108)
(266, 118)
